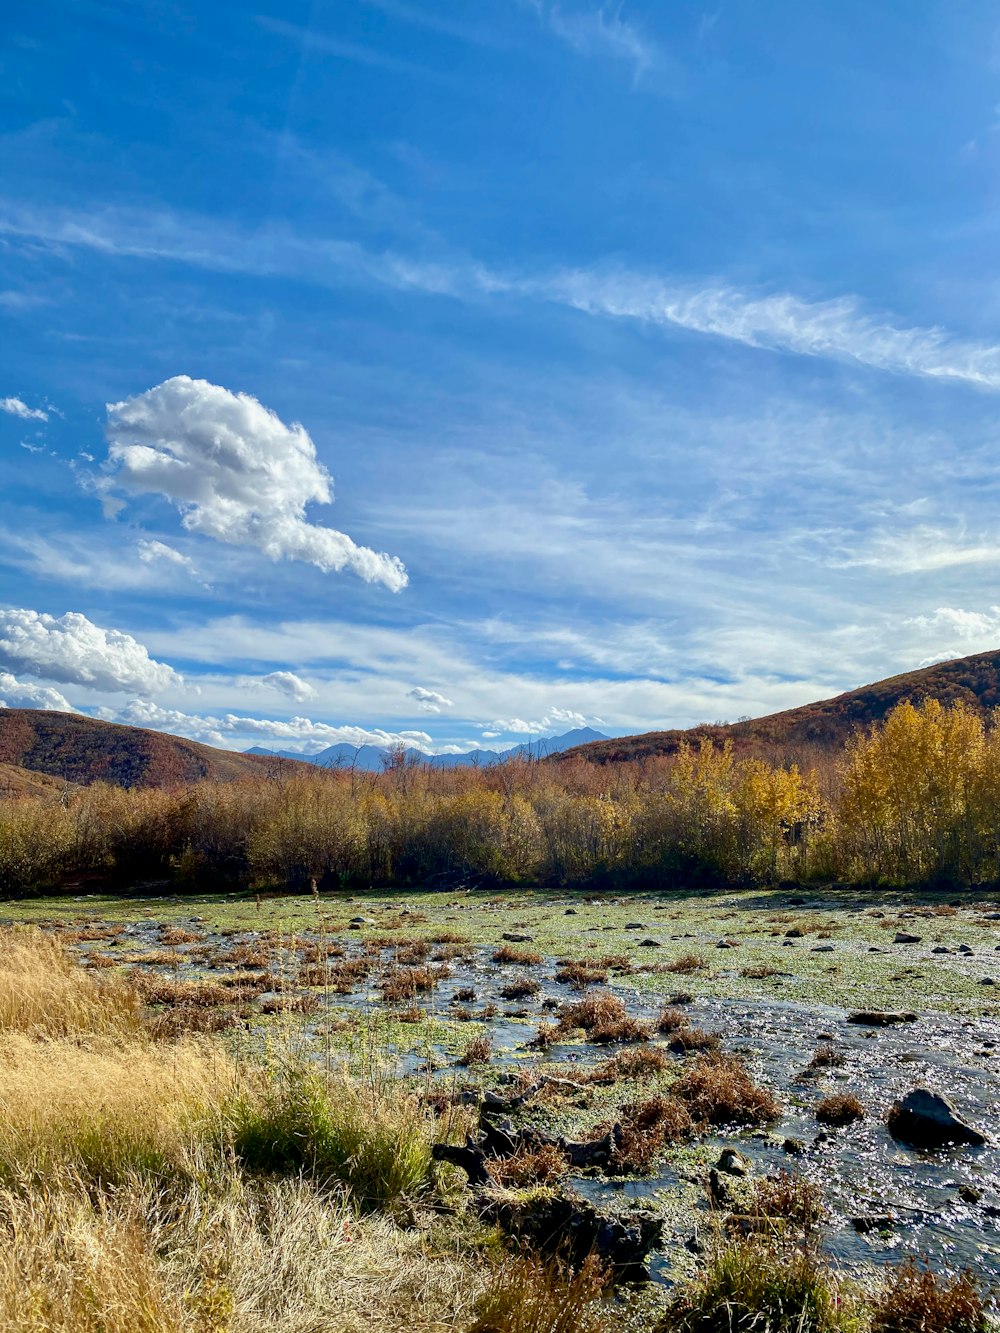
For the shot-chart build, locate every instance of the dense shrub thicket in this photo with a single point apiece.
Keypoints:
(916, 800)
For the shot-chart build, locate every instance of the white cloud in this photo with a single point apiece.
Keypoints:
(287, 682)
(16, 694)
(236, 473)
(840, 328)
(153, 552)
(967, 625)
(15, 407)
(74, 651)
(33, 448)
(565, 718)
(231, 729)
(602, 32)
(429, 700)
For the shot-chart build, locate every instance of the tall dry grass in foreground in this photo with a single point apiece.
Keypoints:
(107, 1111)
(45, 993)
(237, 1258)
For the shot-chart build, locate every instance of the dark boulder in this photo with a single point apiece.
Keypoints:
(928, 1121)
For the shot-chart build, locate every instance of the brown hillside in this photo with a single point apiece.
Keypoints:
(16, 781)
(803, 733)
(77, 749)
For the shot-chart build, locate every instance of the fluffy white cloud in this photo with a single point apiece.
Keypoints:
(74, 651)
(554, 718)
(232, 729)
(236, 472)
(16, 694)
(287, 682)
(966, 625)
(429, 700)
(15, 407)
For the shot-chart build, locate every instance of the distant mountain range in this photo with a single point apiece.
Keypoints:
(42, 750)
(373, 758)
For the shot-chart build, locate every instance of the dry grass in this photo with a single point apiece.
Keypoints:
(840, 1108)
(243, 1257)
(45, 993)
(647, 1128)
(529, 1295)
(580, 974)
(686, 963)
(510, 953)
(520, 990)
(70, 1265)
(915, 1300)
(604, 1018)
(640, 1062)
(107, 1109)
(478, 1052)
(529, 1166)
(718, 1090)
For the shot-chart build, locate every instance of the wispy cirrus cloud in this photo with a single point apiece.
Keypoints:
(600, 32)
(839, 329)
(16, 407)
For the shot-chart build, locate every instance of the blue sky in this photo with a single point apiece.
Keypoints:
(450, 371)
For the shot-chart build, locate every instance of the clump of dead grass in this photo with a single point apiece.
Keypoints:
(916, 1300)
(604, 1018)
(840, 1108)
(530, 1295)
(718, 1090)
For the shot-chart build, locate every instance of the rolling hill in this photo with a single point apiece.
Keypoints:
(803, 733)
(37, 747)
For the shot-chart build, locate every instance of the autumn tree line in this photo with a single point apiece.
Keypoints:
(915, 800)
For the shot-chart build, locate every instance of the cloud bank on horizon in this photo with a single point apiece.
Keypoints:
(674, 405)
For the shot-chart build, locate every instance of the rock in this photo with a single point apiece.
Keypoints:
(571, 911)
(878, 1222)
(788, 944)
(794, 933)
(515, 937)
(927, 1120)
(881, 1018)
(636, 925)
(940, 948)
(821, 948)
(727, 944)
(718, 1190)
(733, 1163)
(794, 1147)
(904, 937)
(988, 981)
(358, 921)
(969, 1194)
(964, 949)
(650, 944)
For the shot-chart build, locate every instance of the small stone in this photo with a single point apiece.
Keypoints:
(788, 944)
(514, 937)
(571, 911)
(969, 1194)
(636, 925)
(727, 944)
(821, 948)
(733, 1163)
(650, 944)
(794, 933)
(904, 937)
(881, 1018)
(940, 948)
(964, 949)
(358, 921)
(988, 981)
(794, 1147)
